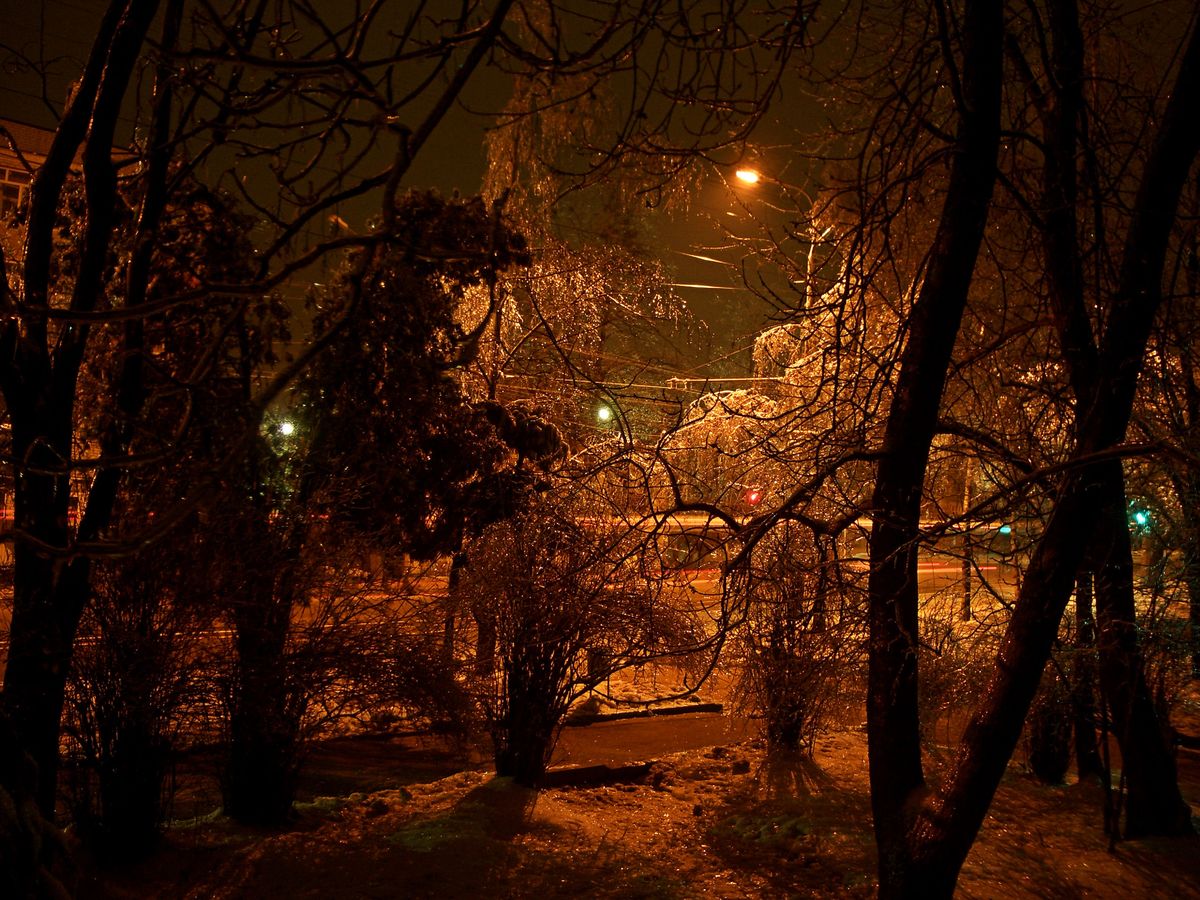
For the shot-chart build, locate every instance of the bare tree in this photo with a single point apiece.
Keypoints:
(929, 241)
(921, 849)
(1170, 413)
(299, 114)
(573, 603)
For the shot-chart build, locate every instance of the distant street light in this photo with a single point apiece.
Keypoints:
(604, 414)
(287, 428)
(791, 193)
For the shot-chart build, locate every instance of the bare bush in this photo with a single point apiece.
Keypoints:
(571, 606)
(800, 643)
(954, 659)
(367, 653)
(133, 686)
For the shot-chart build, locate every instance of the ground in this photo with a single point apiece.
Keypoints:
(721, 821)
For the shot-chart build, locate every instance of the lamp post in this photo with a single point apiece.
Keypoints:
(752, 177)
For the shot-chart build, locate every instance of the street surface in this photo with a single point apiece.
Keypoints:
(638, 740)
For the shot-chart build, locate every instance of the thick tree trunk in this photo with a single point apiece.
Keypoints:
(46, 612)
(1154, 804)
(524, 740)
(1151, 777)
(261, 771)
(525, 754)
(33, 860)
(945, 828)
(893, 726)
(49, 595)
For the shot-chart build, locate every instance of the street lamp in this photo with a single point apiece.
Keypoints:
(752, 177)
(611, 420)
(287, 427)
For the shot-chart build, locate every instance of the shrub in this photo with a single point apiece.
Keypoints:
(799, 645)
(134, 679)
(564, 590)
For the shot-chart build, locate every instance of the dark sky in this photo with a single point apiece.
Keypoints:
(58, 34)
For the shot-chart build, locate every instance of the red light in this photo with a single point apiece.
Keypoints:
(753, 496)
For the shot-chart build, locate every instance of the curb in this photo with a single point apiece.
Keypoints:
(589, 776)
(582, 721)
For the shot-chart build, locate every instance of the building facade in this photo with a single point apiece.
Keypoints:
(22, 149)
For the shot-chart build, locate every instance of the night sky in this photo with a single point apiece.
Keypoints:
(58, 33)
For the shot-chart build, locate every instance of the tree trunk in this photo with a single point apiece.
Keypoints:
(968, 557)
(33, 860)
(1151, 776)
(524, 739)
(260, 778)
(893, 722)
(49, 596)
(1049, 729)
(1154, 804)
(458, 564)
(968, 565)
(1083, 683)
(1193, 588)
(1190, 497)
(945, 828)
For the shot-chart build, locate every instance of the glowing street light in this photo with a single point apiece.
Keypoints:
(604, 414)
(287, 427)
(748, 176)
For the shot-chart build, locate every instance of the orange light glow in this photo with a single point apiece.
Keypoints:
(749, 176)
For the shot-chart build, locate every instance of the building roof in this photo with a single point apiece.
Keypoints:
(29, 139)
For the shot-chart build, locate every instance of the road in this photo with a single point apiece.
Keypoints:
(639, 740)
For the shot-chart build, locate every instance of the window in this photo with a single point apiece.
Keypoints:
(12, 188)
(10, 199)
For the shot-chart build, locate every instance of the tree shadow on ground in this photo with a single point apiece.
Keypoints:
(791, 774)
(492, 844)
(801, 830)
(1048, 841)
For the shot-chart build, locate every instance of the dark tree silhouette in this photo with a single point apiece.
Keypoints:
(299, 129)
